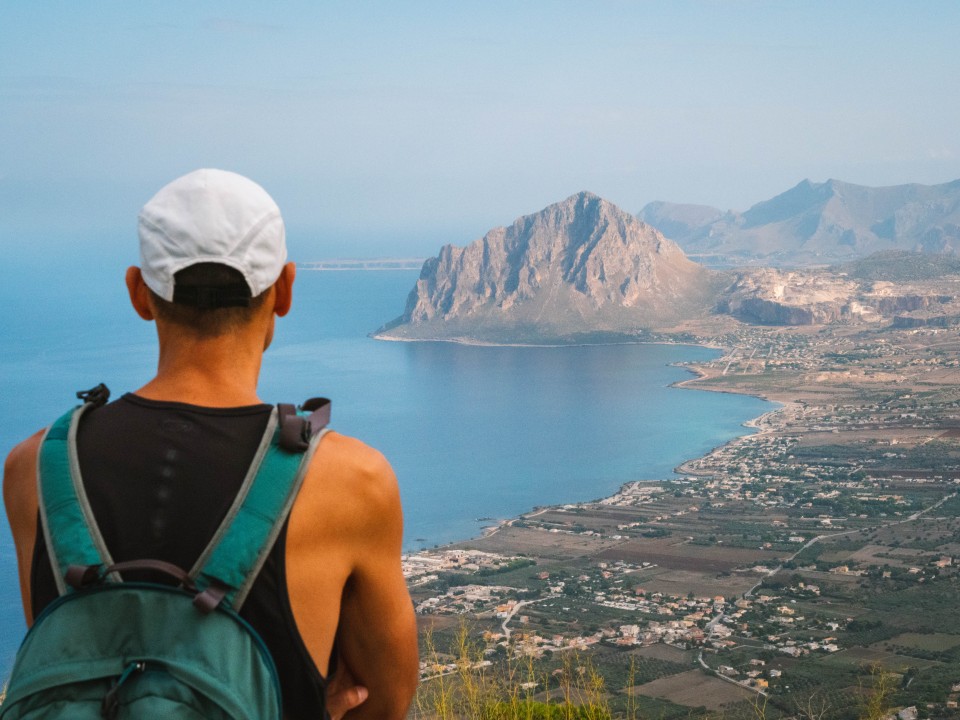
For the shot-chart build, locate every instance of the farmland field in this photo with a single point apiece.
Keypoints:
(694, 689)
(935, 642)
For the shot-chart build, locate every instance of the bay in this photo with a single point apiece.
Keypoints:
(471, 431)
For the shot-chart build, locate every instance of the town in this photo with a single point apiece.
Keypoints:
(792, 566)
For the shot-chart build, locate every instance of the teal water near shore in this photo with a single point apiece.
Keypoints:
(472, 431)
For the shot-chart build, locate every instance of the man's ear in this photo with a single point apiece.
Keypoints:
(139, 293)
(283, 297)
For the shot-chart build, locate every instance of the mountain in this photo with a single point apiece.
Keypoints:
(579, 269)
(817, 223)
(677, 220)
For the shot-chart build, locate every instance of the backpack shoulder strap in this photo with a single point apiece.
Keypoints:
(227, 568)
(69, 528)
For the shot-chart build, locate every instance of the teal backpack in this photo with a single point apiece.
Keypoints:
(113, 649)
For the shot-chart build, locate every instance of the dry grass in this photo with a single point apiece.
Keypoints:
(511, 690)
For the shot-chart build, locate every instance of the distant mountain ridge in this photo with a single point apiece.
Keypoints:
(579, 266)
(817, 223)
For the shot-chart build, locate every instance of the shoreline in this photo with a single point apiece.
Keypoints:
(682, 469)
(756, 424)
(489, 343)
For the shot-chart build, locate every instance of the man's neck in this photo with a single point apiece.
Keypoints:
(212, 372)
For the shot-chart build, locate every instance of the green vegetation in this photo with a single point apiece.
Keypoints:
(516, 564)
(475, 688)
(902, 266)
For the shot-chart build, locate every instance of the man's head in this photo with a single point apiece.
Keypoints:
(212, 243)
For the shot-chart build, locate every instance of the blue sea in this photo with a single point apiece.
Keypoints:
(472, 431)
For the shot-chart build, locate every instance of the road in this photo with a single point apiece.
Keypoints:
(818, 538)
(513, 611)
(704, 665)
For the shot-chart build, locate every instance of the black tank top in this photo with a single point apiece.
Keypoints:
(160, 477)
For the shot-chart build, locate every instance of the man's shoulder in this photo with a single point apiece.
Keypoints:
(354, 472)
(20, 476)
(348, 497)
(344, 454)
(22, 459)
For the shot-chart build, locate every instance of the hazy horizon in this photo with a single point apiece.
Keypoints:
(390, 130)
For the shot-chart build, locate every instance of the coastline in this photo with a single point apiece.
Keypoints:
(757, 425)
(471, 342)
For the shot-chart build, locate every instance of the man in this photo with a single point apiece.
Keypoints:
(161, 466)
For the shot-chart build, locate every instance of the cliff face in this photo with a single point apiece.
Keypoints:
(776, 297)
(807, 297)
(579, 266)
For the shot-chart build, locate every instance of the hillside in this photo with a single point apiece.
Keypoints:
(579, 269)
(817, 223)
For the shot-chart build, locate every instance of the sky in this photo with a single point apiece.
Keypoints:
(391, 128)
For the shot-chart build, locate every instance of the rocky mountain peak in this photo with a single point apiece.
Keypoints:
(579, 265)
(803, 198)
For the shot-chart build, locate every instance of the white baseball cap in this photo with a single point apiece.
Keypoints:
(211, 216)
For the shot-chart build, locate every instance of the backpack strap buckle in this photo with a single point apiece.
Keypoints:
(209, 600)
(319, 409)
(81, 576)
(98, 395)
(296, 429)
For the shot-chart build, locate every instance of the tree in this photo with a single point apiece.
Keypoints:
(877, 697)
(814, 707)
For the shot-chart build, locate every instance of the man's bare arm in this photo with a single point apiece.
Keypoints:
(20, 501)
(378, 631)
(344, 578)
